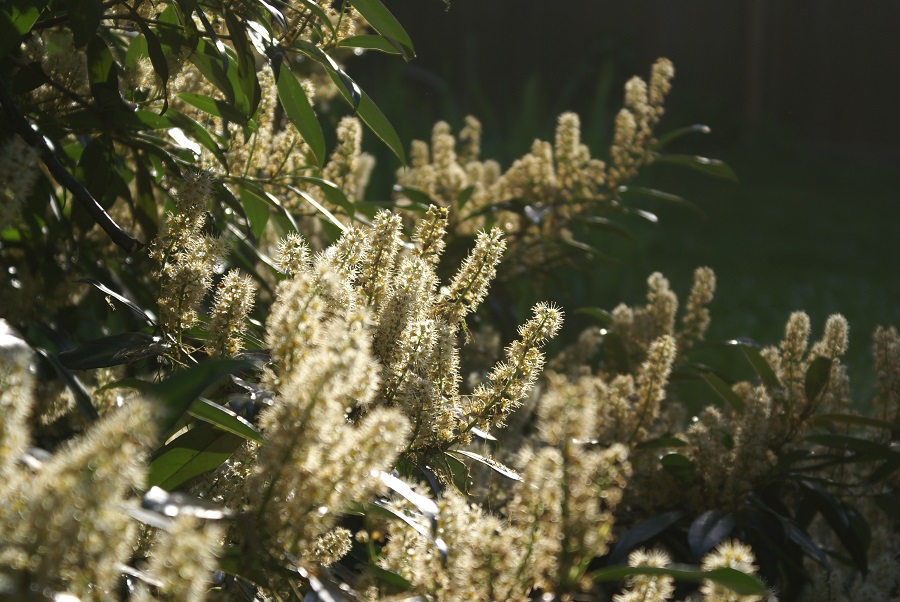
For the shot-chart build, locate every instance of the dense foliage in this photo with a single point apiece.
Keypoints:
(226, 373)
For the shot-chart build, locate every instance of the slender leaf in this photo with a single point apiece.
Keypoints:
(256, 209)
(218, 108)
(738, 582)
(817, 376)
(829, 419)
(198, 451)
(114, 350)
(711, 167)
(318, 206)
(723, 390)
(415, 195)
(641, 532)
(382, 21)
(82, 397)
(332, 192)
(507, 472)
(103, 76)
(144, 313)
(179, 504)
(369, 42)
(84, 18)
(678, 465)
(603, 224)
(298, 109)
(669, 137)
(198, 133)
(423, 504)
(844, 520)
(17, 17)
(759, 363)
(660, 195)
(661, 443)
(276, 14)
(595, 312)
(394, 582)
(224, 419)
(708, 530)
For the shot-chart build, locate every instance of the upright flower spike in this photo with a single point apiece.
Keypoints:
(183, 560)
(16, 397)
(647, 588)
(228, 319)
(377, 266)
(651, 384)
(469, 286)
(696, 316)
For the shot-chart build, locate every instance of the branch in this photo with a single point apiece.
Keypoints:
(61, 174)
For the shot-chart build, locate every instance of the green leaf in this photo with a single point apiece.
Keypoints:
(179, 391)
(660, 195)
(603, 224)
(332, 192)
(208, 59)
(459, 472)
(846, 522)
(175, 504)
(507, 472)
(678, 465)
(723, 390)
(711, 167)
(296, 105)
(103, 76)
(871, 449)
(198, 451)
(394, 582)
(641, 532)
(423, 504)
(371, 116)
(114, 350)
(82, 397)
(199, 133)
(382, 21)
(759, 363)
(224, 418)
(463, 196)
(246, 61)
(829, 419)
(143, 313)
(84, 18)
(17, 17)
(369, 42)
(256, 209)
(817, 376)
(218, 108)
(708, 530)
(738, 582)
(157, 57)
(415, 195)
(669, 137)
(595, 312)
(661, 443)
(328, 215)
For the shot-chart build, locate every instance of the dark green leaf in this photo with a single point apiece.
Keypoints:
(103, 76)
(382, 21)
(415, 195)
(114, 350)
(82, 397)
(198, 451)
(677, 465)
(889, 504)
(708, 530)
(463, 196)
(678, 133)
(593, 252)
(369, 42)
(256, 210)
(144, 313)
(507, 472)
(84, 18)
(224, 418)
(273, 201)
(276, 14)
(157, 58)
(759, 363)
(880, 451)
(738, 582)
(660, 195)
(296, 105)
(179, 391)
(332, 192)
(459, 473)
(817, 376)
(641, 532)
(17, 17)
(214, 107)
(328, 215)
(246, 62)
(394, 582)
(603, 224)
(207, 59)
(371, 116)
(723, 390)
(595, 312)
(711, 167)
(844, 520)
(661, 443)
(829, 419)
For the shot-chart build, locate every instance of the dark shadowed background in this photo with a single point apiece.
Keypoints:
(802, 98)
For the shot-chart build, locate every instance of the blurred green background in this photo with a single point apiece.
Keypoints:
(802, 98)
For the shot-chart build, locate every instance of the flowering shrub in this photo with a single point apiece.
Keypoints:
(286, 391)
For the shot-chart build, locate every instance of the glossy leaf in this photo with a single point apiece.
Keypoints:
(382, 21)
(256, 209)
(817, 376)
(298, 109)
(144, 313)
(179, 391)
(423, 504)
(84, 18)
(759, 363)
(595, 312)
(218, 108)
(641, 532)
(678, 465)
(710, 167)
(507, 472)
(225, 419)
(198, 133)
(103, 76)
(114, 350)
(738, 582)
(844, 520)
(198, 451)
(17, 17)
(319, 207)
(830, 419)
(82, 397)
(670, 137)
(708, 530)
(332, 192)
(661, 443)
(179, 504)
(369, 42)
(660, 195)
(395, 584)
(246, 61)
(603, 224)
(277, 15)
(723, 390)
